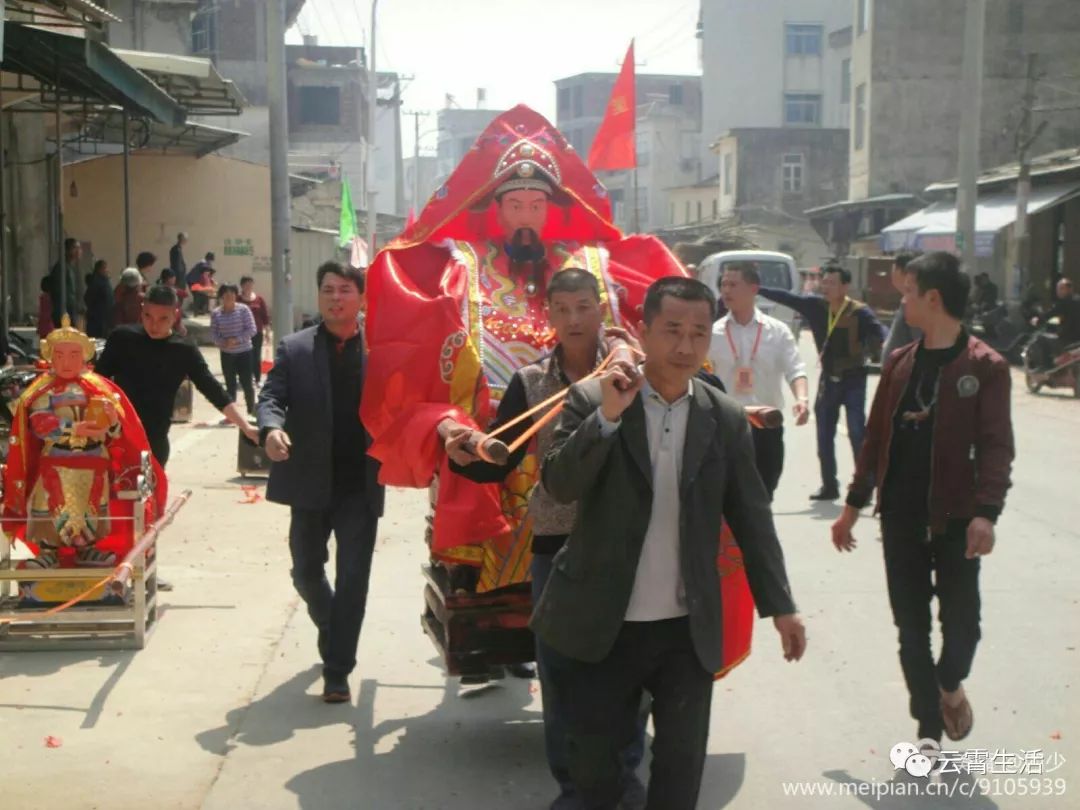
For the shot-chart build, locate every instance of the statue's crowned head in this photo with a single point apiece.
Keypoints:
(528, 179)
(67, 350)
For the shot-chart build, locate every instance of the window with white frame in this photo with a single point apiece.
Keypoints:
(803, 40)
(792, 169)
(802, 109)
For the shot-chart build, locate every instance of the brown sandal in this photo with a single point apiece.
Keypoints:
(958, 719)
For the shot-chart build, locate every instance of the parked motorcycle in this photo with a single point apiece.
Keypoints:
(1065, 372)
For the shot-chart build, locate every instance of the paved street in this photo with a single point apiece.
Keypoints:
(220, 710)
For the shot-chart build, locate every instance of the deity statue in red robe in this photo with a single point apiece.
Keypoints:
(75, 442)
(456, 306)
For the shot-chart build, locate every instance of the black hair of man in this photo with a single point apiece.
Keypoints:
(748, 271)
(573, 280)
(180, 237)
(842, 272)
(338, 269)
(145, 259)
(940, 270)
(904, 258)
(70, 244)
(246, 280)
(209, 256)
(166, 274)
(99, 264)
(227, 288)
(162, 296)
(681, 287)
(46, 284)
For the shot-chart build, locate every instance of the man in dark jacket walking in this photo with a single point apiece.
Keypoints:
(309, 422)
(939, 447)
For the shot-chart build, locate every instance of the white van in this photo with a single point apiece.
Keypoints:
(776, 270)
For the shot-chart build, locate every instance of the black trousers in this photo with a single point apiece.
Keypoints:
(237, 367)
(603, 702)
(159, 446)
(337, 612)
(769, 453)
(919, 565)
(256, 356)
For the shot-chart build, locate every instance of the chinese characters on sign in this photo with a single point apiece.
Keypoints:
(239, 247)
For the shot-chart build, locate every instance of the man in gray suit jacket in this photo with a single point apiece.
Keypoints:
(655, 461)
(309, 422)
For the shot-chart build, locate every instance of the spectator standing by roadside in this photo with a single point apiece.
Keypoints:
(99, 301)
(68, 269)
(257, 304)
(200, 280)
(901, 333)
(168, 279)
(939, 451)
(45, 307)
(177, 263)
(233, 326)
(128, 298)
(145, 262)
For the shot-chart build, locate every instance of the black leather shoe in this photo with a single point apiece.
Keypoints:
(826, 494)
(336, 689)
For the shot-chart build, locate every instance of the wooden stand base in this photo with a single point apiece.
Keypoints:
(477, 634)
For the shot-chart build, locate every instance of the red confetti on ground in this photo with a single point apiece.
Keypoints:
(1056, 735)
(53, 742)
(251, 494)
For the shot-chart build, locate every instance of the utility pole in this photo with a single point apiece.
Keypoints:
(369, 164)
(416, 164)
(1017, 273)
(967, 192)
(279, 168)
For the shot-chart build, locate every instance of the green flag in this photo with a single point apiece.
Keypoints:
(347, 227)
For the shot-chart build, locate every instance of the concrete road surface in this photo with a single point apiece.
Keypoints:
(220, 711)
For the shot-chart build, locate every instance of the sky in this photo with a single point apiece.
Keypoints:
(515, 51)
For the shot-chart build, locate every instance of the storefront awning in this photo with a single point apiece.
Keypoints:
(192, 81)
(188, 138)
(934, 227)
(73, 70)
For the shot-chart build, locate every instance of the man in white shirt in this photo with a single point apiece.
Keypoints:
(755, 355)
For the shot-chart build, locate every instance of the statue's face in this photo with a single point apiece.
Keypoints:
(522, 211)
(67, 360)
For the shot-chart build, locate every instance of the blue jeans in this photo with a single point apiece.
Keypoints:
(337, 612)
(850, 392)
(556, 720)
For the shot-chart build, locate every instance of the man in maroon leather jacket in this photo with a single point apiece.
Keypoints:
(939, 449)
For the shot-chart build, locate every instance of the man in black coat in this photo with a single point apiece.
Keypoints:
(309, 422)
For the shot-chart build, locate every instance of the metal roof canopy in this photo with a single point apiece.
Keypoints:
(78, 11)
(992, 213)
(188, 138)
(192, 81)
(76, 70)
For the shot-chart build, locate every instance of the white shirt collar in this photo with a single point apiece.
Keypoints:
(756, 317)
(648, 392)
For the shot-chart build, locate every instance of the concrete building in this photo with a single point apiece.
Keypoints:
(768, 176)
(906, 80)
(668, 139)
(774, 63)
(420, 176)
(458, 130)
(907, 93)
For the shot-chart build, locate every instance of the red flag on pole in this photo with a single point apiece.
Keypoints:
(614, 147)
